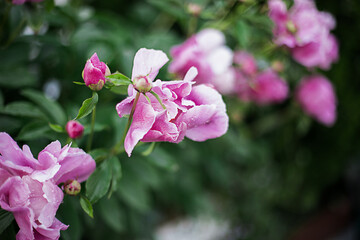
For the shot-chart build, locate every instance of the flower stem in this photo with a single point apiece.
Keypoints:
(158, 98)
(92, 130)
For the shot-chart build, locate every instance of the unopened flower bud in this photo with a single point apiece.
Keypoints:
(72, 187)
(74, 129)
(194, 9)
(142, 84)
(95, 72)
(277, 66)
(291, 26)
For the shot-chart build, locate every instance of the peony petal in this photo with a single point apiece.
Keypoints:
(209, 39)
(143, 119)
(220, 59)
(147, 62)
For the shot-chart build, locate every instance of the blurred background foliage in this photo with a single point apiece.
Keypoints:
(273, 170)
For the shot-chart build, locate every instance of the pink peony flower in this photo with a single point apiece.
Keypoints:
(205, 51)
(74, 129)
(317, 98)
(306, 31)
(151, 122)
(28, 187)
(94, 73)
(268, 87)
(246, 62)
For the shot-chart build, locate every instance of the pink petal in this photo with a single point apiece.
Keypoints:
(143, 119)
(147, 62)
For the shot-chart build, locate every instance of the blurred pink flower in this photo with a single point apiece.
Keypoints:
(317, 98)
(207, 52)
(246, 62)
(74, 129)
(306, 31)
(268, 87)
(151, 122)
(28, 187)
(94, 73)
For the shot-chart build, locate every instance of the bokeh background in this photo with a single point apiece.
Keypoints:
(276, 174)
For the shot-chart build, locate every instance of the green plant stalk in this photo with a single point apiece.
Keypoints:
(93, 115)
(158, 98)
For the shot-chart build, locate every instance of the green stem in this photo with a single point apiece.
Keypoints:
(158, 98)
(92, 130)
(118, 148)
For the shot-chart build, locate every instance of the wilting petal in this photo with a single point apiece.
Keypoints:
(143, 119)
(147, 62)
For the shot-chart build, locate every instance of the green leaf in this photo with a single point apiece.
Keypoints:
(57, 128)
(118, 79)
(98, 183)
(134, 192)
(86, 206)
(1, 100)
(122, 90)
(88, 106)
(116, 174)
(162, 159)
(112, 214)
(80, 83)
(33, 130)
(173, 8)
(242, 33)
(23, 109)
(51, 108)
(5, 219)
(49, 5)
(99, 155)
(17, 78)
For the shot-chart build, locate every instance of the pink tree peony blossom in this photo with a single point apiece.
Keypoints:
(207, 52)
(306, 31)
(28, 187)
(246, 62)
(74, 129)
(94, 73)
(317, 98)
(164, 120)
(268, 87)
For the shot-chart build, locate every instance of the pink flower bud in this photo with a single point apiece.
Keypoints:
(194, 9)
(277, 66)
(142, 84)
(72, 187)
(317, 98)
(74, 129)
(94, 73)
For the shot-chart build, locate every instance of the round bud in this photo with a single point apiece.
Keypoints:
(72, 187)
(142, 84)
(291, 26)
